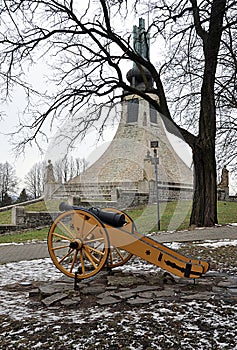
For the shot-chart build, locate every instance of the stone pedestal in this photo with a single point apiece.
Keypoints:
(50, 188)
(223, 193)
(18, 215)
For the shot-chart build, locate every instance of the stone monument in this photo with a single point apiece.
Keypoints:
(122, 173)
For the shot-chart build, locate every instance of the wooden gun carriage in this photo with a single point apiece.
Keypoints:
(83, 241)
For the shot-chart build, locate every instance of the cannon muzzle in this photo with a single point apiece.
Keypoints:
(111, 218)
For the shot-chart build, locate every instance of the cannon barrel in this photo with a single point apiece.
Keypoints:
(111, 218)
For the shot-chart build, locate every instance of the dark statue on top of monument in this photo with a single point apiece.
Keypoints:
(139, 77)
(141, 40)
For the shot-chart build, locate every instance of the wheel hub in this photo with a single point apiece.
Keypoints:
(77, 244)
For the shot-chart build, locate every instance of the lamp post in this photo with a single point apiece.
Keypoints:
(155, 160)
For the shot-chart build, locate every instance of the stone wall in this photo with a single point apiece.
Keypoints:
(22, 219)
(32, 219)
(9, 228)
(232, 198)
(170, 192)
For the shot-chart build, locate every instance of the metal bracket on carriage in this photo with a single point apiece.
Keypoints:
(111, 218)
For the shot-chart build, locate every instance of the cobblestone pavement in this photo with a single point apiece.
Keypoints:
(30, 251)
(137, 307)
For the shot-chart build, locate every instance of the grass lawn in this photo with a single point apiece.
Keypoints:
(227, 212)
(25, 236)
(174, 216)
(5, 217)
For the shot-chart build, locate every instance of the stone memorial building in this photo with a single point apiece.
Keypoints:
(124, 174)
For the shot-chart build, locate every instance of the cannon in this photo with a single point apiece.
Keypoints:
(83, 241)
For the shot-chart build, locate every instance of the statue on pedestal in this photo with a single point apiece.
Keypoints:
(223, 186)
(50, 182)
(224, 178)
(49, 178)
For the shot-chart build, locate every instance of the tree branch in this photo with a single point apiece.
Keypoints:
(197, 22)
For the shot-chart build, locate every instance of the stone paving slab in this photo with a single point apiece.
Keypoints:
(54, 298)
(209, 287)
(31, 251)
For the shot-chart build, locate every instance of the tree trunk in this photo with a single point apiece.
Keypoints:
(204, 210)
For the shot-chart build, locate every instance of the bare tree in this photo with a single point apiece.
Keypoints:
(87, 47)
(8, 181)
(187, 66)
(81, 165)
(78, 166)
(226, 143)
(68, 167)
(35, 180)
(58, 171)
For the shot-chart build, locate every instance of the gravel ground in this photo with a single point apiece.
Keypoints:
(164, 324)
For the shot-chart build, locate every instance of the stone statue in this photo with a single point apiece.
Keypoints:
(224, 178)
(223, 186)
(49, 173)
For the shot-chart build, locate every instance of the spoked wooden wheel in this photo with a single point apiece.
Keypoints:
(117, 256)
(78, 243)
